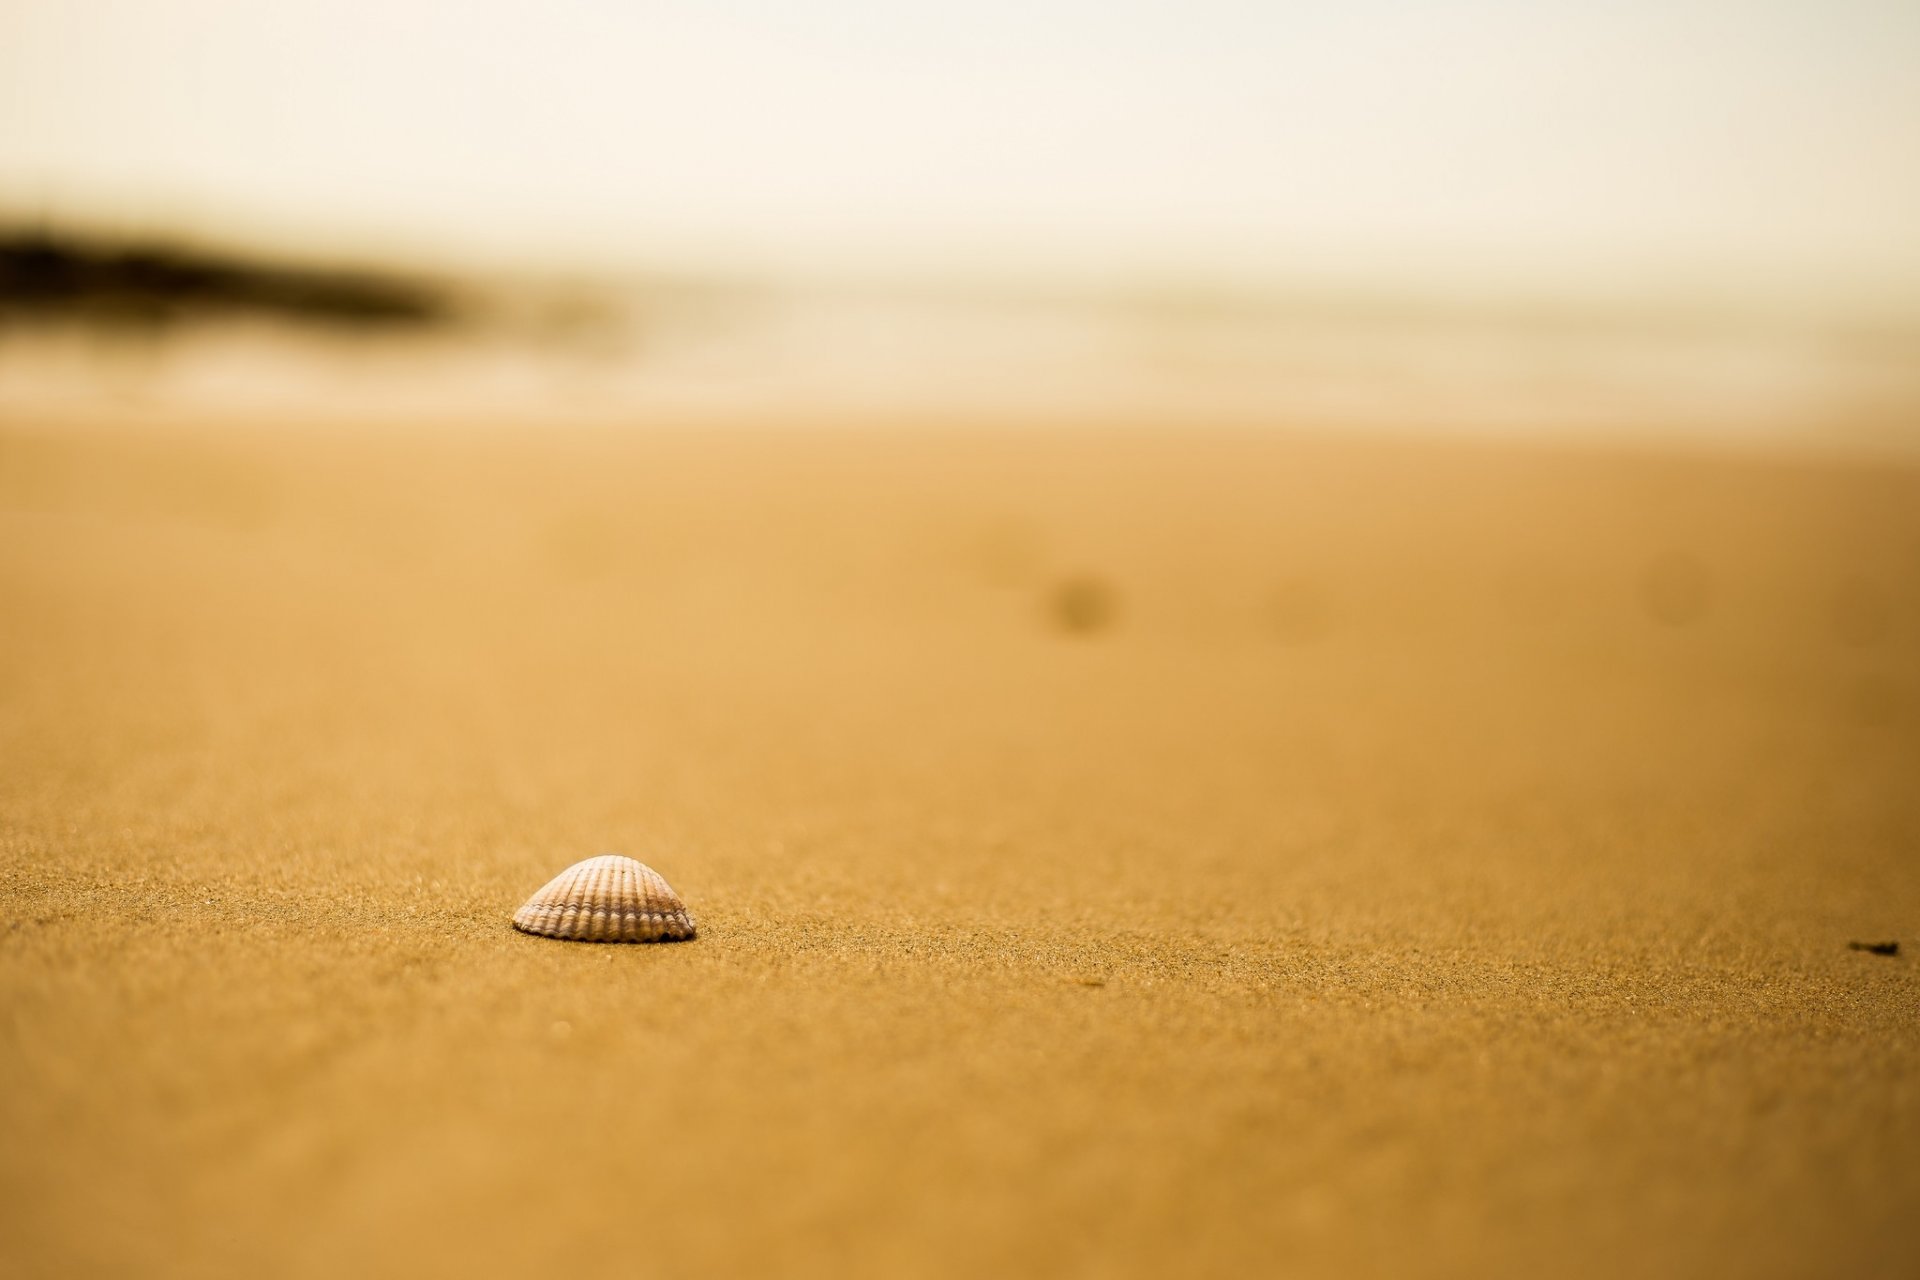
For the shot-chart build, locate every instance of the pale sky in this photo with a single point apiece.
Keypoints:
(1771, 143)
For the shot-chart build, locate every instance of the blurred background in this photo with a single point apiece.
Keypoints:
(1688, 220)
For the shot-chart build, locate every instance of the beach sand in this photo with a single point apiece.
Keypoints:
(1158, 852)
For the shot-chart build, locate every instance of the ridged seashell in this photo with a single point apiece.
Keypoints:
(606, 899)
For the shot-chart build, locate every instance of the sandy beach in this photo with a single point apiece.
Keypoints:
(1115, 853)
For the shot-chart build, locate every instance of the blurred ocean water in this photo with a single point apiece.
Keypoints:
(769, 353)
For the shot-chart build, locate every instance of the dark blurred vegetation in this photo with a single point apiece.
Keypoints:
(55, 275)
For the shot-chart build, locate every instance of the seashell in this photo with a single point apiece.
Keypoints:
(606, 899)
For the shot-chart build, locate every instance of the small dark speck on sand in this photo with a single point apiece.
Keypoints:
(1088, 982)
(1878, 948)
(1083, 605)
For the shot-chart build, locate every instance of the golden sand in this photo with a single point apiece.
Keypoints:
(1161, 853)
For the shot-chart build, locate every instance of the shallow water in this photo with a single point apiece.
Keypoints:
(908, 357)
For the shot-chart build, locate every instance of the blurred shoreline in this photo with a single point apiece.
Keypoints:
(204, 335)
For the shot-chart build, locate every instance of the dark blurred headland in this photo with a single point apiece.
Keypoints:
(48, 274)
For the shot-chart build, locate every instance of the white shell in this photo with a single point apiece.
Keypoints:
(606, 899)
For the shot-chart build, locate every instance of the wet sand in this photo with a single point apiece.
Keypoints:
(1159, 852)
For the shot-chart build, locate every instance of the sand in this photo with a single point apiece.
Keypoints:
(1114, 854)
